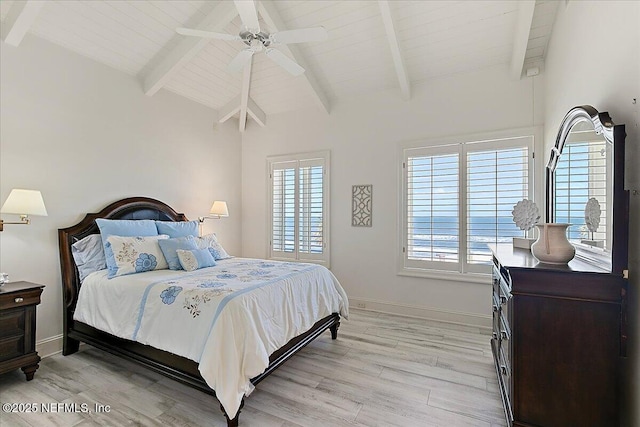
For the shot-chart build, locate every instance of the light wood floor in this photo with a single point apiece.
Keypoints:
(383, 370)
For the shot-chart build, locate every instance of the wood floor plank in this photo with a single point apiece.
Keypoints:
(383, 370)
(431, 417)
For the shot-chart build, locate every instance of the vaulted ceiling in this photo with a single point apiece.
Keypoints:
(372, 45)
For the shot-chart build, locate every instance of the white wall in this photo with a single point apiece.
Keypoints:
(86, 135)
(363, 135)
(594, 58)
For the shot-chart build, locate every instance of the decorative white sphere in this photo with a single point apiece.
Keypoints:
(525, 214)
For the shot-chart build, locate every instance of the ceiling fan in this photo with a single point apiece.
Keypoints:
(258, 40)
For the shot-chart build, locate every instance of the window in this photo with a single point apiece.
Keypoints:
(299, 207)
(458, 198)
(581, 174)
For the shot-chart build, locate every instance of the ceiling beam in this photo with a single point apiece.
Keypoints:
(244, 94)
(229, 110)
(18, 21)
(275, 23)
(521, 38)
(188, 47)
(396, 54)
(256, 113)
(232, 107)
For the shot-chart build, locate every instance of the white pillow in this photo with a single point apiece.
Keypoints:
(137, 254)
(210, 241)
(195, 259)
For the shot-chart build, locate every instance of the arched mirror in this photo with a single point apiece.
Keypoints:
(585, 187)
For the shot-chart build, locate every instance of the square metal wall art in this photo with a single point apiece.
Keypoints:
(361, 205)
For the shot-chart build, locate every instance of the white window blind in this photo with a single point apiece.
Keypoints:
(283, 192)
(299, 208)
(497, 178)
(581, 174)
(458, 198)
(432, 209)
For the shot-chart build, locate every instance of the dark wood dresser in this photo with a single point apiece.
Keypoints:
(559, 333)
(18, 302)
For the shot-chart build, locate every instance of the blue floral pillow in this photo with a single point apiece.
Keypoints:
(195, 259)
(122, 227)
(137, 254)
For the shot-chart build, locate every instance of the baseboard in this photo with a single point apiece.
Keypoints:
(467, 319)
(49, 346)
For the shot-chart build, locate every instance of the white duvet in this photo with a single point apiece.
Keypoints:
(228, 318)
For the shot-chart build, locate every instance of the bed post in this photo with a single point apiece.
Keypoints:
(234, 421)
(334, 329)
(69, 345)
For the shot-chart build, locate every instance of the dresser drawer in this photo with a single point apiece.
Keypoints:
(504, 367)
(19, 299)
(12, 322)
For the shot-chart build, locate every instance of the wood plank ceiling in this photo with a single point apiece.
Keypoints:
(372, 45)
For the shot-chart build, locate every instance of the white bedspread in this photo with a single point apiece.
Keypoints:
(228, 318)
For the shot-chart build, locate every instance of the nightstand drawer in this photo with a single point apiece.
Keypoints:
(11, 347)
(19, 299)
(12, 322)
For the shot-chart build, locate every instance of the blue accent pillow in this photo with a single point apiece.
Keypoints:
(124, 228)
(195, 259)
(178, 229)
(170, 246)
(88, 253)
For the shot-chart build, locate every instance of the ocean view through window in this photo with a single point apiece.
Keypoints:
(458, 198)
(298, 206)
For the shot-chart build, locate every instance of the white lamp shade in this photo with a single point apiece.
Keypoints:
(24, 202)
(219, 208)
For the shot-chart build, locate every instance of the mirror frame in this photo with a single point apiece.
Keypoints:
(614, 135)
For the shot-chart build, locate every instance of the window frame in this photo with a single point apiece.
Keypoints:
(298, 158)
(461, 145)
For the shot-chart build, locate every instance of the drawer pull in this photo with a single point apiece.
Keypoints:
(18, 299)
(503, 369)
(503, 299)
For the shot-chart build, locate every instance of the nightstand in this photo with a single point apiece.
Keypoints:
(18, 302)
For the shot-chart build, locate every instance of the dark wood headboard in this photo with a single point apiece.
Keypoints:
(130, 208)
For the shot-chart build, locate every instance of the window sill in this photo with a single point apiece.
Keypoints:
(482, 278)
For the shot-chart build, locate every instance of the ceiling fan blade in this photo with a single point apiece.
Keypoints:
(315, 34)
(248, 14)
(206, 34)
(284, 61)
(242, 58)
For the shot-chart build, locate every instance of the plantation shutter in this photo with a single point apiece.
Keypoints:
(458, 199)
(432, 220)
(283, 207)
(497, 178)
(299, 210)
(587, 161)
(310, 208)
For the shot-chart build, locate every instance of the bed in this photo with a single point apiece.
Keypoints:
(217, 348)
